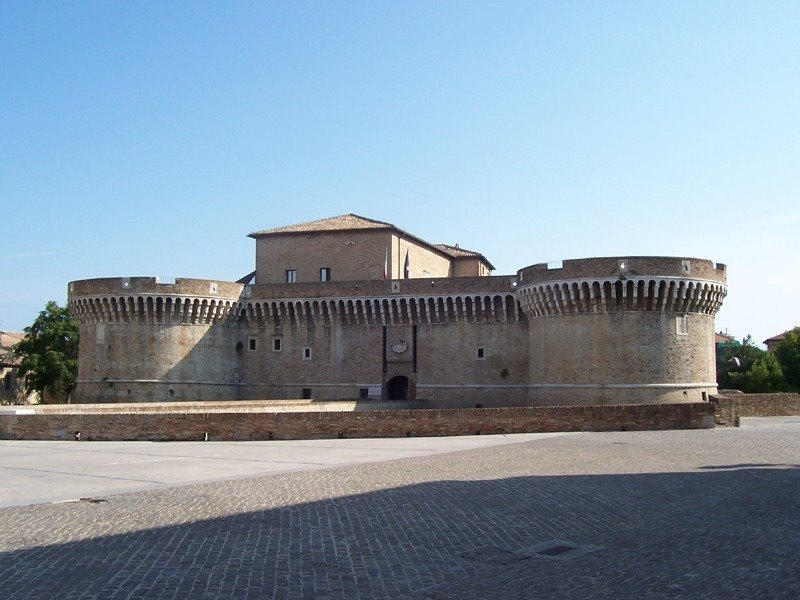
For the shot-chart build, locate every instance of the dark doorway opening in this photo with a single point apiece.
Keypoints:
(397, 388)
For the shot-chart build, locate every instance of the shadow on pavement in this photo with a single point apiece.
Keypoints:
(728, 532)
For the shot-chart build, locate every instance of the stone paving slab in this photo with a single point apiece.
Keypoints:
(48, 471)
(673, 514)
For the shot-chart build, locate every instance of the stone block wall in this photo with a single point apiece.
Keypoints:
(640, 331)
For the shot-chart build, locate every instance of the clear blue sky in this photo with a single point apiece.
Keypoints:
(148, 138)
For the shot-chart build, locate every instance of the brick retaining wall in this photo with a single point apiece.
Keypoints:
(378, 423)
(731, 408)
(221, 406)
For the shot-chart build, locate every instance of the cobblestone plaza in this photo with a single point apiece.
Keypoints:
(700, 514)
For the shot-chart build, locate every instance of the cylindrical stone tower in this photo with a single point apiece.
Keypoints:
(141, 340)
(621, 330)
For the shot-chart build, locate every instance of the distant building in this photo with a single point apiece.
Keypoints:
(721, 338)
(723, 341)
(350, 307)
(775, 341)
(11, 390)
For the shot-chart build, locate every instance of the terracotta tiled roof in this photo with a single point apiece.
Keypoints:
(456, 252)
(723, 338)
(247, 279)
(8, 339)
(776, 338)
(346, 222)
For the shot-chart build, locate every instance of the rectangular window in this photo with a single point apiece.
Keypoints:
(363, 393)
(325, 274)
(306, 353)
(252, 343)
(291, 275)
(276, 344)
(481, 353)
(306, 393)
(7, 381)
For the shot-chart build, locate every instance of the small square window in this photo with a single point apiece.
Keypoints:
(307, 353)
(252, 343)
(276, 344)
(481, 353)
(363, 393)
(325, 274)
(306, 393)
(291, 275)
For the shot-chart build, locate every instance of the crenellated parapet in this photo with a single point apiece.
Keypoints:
(609, 295)
(395, 310)
(147, 300)
(602, 285)
(205, 302)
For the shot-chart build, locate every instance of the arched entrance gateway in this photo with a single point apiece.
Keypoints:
(397, 388)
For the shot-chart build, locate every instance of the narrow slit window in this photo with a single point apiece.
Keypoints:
(307, 353)
(481, 353)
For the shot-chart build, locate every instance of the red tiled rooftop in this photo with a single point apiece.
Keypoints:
(346, 222)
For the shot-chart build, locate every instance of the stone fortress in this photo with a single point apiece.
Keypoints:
(353, 308)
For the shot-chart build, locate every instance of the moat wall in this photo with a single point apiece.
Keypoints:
(368, 424)
(731, 408)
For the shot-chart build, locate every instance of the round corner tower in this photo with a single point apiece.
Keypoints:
(142, 340)
(621, 330)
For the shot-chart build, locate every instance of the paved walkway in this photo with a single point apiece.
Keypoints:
(34, 472)
(710, 513)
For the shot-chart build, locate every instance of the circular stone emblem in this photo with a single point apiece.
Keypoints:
(399, 347)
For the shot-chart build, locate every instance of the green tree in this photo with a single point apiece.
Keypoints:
(748, 368)
(764, 375)
(788, 355)
(49, 353)
(736, 358)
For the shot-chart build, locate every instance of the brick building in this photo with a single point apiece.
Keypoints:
(775, 341)
(11, 390)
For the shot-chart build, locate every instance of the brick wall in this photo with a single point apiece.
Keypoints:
(378, 423)
(731, 408)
